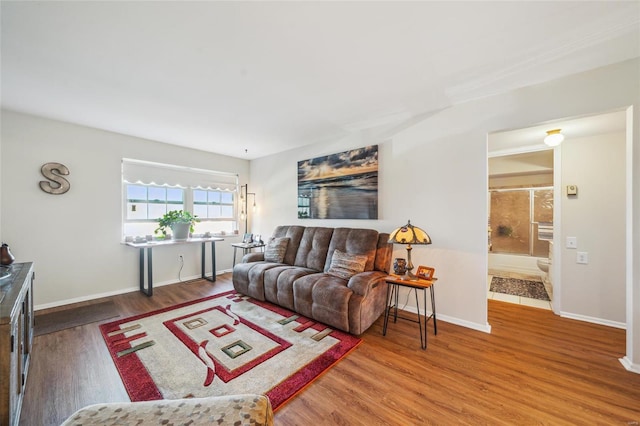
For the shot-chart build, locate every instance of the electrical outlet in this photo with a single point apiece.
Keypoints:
(582, 257)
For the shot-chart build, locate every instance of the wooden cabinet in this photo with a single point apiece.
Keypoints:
(16, 338)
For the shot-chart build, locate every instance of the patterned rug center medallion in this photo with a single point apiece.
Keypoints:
(519, 287)
(222, 345)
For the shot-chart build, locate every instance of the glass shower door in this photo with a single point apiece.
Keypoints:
(514, 220)
(542, 213)
(510, 222)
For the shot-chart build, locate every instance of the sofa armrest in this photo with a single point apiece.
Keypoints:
(364, 282)
(253, 257)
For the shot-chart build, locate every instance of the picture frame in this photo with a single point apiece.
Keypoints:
(425, 272)
(342, 185)
(247, 239)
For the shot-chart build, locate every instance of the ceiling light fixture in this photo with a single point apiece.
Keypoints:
(554, 137)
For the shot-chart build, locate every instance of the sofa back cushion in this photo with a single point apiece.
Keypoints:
(313, 248)
(354, 241)
(384, 253)
(294, 233)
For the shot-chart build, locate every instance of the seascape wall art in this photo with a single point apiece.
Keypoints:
(339, 186)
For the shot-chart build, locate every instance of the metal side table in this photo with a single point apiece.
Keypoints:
(394, 283)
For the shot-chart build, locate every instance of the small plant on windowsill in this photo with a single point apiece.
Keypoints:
(180, 222)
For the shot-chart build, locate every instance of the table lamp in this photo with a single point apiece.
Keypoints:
(409, 234)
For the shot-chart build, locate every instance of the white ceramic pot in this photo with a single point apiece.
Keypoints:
(180, 231)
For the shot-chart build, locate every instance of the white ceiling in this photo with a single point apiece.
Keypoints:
(249, 79)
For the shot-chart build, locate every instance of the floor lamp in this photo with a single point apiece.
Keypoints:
(244, 200)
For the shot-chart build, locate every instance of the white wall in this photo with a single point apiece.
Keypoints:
(435, 173)
(596, 216)
(74, 238)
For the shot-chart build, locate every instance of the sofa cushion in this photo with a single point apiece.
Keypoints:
(324, 298)
(278, 284)
(383, 253)
(345, 265)
(313, 249)
(248, 278)
(228, 409)
(294, 233)
(354, 241)
(276, 249)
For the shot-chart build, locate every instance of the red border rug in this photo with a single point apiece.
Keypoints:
(222, 345)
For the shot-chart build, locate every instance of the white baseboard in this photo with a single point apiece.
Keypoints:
(626, 362)
(486, 328)
(116, 292)
(594, 320)
(86, 298)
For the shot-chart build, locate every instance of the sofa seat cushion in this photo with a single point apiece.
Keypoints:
(278, 284)
(248, 278)
(324, 298)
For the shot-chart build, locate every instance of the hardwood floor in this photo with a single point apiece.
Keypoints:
(535, 368)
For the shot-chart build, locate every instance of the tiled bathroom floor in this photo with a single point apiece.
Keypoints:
(509, 298)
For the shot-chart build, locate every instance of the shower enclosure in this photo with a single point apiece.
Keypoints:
(520, 221)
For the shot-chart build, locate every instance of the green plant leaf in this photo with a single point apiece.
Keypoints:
(176, 216)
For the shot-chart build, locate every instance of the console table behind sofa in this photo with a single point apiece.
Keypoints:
(149, 245)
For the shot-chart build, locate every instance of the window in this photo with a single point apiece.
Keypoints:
(214, 205)
(152, 202)
(151, 189)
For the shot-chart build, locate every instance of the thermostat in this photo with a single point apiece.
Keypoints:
(572, 190)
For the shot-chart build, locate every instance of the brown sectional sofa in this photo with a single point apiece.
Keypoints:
(309, 280)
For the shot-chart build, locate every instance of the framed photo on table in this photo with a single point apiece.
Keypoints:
(425, 272)
(247, 239)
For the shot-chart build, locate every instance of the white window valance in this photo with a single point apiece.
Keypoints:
(150, 173)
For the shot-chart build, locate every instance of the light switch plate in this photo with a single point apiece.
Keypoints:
(572, 242)
(582, 257)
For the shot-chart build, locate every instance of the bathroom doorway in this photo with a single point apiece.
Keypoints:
(588, 265)
(520, 228)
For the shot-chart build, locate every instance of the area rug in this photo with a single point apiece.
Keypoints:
(519, 287)
(74, 317)
(222, 345)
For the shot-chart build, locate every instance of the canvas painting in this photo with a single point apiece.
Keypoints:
(339, 186)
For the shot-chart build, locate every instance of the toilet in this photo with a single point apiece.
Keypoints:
(543, 264)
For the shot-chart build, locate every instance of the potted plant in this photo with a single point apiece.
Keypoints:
(180, 222)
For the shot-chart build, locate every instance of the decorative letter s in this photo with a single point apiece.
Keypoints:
(52, 171)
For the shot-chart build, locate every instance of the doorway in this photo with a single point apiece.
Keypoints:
(588, 249)
(520, 228)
